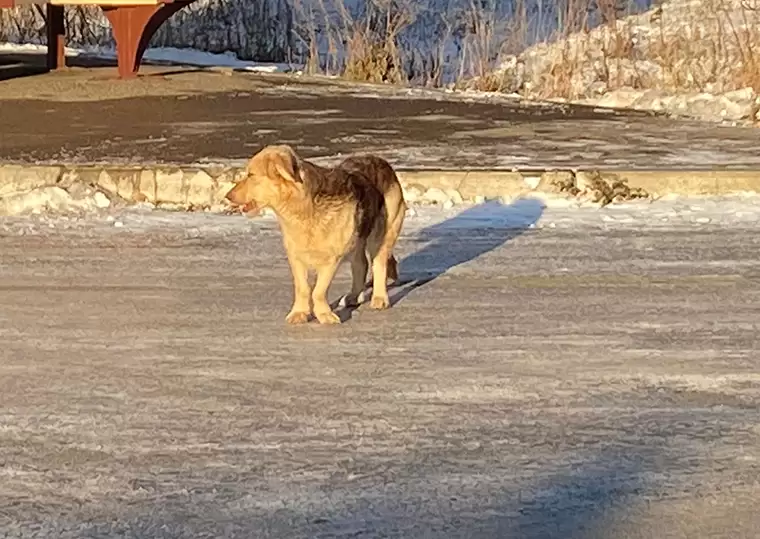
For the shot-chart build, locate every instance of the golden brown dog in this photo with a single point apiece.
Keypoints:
(354, 210)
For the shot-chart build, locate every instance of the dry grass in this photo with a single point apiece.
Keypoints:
(359, 46)
(597, 188)
(709, 46)
(471, 39)
(596, 47)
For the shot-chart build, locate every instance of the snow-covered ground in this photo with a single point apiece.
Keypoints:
(534, 213)
(168, 55)
(695, 213)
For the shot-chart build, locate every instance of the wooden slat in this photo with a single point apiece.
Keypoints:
(17, 3)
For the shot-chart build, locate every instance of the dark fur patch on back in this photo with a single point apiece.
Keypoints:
(376, 170)
(340, 181)
(364, 179)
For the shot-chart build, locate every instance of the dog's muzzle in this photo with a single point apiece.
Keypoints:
(244, 207)
(250, 207)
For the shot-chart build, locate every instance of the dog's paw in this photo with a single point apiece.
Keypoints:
(351, 300)
(379, 303)
(327, 317)
(296, 317)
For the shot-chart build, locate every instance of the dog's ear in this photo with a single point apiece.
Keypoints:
(287, 165)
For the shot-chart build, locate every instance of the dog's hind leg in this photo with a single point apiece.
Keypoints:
(359, 269)
(383, 262)
(322, 309)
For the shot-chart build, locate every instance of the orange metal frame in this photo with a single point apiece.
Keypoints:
(133, 26)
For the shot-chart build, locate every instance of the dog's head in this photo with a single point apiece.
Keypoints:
(272, 176)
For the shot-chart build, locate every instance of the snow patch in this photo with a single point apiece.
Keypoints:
(168, 55)
(531, 212)
(424, 222)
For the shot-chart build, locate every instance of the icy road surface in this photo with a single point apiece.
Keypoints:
(545, 373)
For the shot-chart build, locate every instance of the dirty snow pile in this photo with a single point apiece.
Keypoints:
(167, 55)
(76, 199)
(555, 188)
(668, 211)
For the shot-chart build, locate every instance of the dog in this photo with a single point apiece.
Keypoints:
(326, 215)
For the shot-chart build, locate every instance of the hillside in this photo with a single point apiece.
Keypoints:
(697, 58)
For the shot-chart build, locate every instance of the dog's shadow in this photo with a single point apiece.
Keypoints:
(460, 239)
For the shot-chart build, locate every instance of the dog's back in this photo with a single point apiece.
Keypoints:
(378, 174)
(374, 169)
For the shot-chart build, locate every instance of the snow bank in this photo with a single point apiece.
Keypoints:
(170, 55)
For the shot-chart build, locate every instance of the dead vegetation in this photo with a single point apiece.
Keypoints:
(592, 47)
(597, 46)
(573, 49)
(362, 46)
(682, 46)
(593, 186)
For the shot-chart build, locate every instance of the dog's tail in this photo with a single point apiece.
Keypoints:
(396, 210)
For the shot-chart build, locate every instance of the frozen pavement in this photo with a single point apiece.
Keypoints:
(548, 373)
(186, 116)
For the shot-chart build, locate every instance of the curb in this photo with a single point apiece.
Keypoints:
(495, 183)
(197, 186)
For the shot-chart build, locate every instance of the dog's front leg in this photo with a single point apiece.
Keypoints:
(322, 309)
(299, 314)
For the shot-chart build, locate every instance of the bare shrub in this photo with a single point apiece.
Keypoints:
(372, 52)
(360, 44)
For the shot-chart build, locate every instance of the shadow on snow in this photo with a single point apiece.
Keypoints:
(462, 238)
